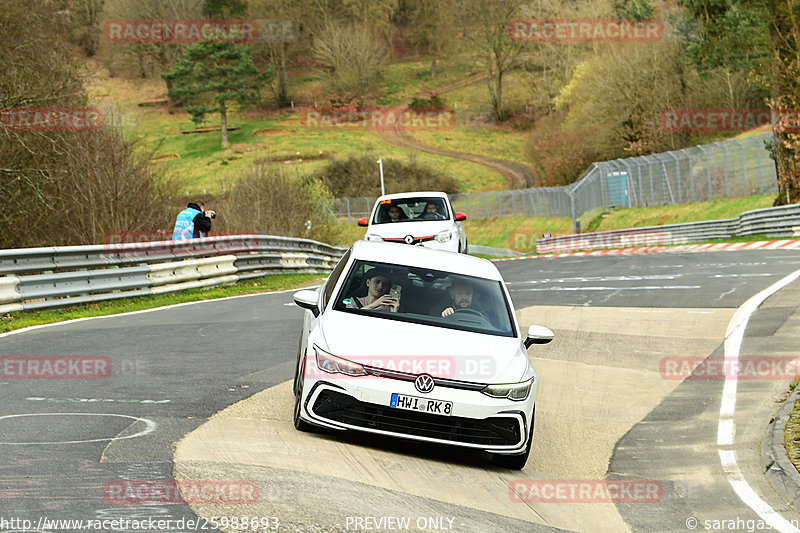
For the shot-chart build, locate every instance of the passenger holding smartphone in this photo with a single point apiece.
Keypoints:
(379, 297)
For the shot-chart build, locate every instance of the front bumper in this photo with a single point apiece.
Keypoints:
(426, 241)
(362, 404)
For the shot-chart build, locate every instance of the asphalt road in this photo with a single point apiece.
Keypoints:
(718, 279)
(172, 369)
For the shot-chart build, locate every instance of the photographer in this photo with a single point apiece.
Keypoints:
(193, 222)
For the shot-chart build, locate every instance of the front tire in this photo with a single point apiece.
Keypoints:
(299, 423)
(516, 462)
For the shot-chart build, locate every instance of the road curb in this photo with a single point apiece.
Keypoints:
(781, 474)
(786, 244)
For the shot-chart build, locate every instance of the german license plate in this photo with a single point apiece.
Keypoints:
(423, 405)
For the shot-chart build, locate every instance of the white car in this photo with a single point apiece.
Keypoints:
(422, 218)
(392, 345)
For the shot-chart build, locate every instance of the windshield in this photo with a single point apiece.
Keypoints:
(425, 296)
(411, 210)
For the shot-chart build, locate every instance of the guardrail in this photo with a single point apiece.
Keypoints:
(41, 278)
(781, 221)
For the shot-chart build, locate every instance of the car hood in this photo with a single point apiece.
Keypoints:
(418, 348)
(417, 229)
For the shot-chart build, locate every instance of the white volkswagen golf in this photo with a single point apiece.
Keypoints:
(421, 345)
(421, 218)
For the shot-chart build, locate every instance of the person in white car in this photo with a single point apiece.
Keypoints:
(378, 282)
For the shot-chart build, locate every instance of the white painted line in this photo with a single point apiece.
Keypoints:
(726, 430)
(641, 288)
(150, 426)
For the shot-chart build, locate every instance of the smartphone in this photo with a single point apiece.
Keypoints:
(395, 291)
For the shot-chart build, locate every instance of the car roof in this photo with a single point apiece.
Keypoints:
(417, 256)
(399, 195)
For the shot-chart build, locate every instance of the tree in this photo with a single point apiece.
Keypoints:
(146, 59)
(352, 61)
(760, 38)
(615, 98)
(489, 33)
(211, 77)
(224, 9)
(59, 185)
(429, 21)
(281, 41)
(85, 21)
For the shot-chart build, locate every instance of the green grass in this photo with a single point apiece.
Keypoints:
(475, 98)
(203, 166)
(276, 282)
(516, 233)
(637, 217)
(791, 434)
(489, 142)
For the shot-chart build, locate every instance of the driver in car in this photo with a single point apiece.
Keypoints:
(461, 293)
(431, 212)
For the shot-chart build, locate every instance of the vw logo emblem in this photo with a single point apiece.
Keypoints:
(408, 239)
(424, 383)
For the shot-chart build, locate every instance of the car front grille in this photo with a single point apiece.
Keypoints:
(495, 431)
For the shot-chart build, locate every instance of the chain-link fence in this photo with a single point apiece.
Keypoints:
(726, 169)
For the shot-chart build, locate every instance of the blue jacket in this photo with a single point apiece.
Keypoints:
(184, 224)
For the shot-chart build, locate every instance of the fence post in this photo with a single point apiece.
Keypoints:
(678, 175)
(757, 142)
(349, 219)
(708, 170)
(725, 164)
(741, 157)
(688, 157)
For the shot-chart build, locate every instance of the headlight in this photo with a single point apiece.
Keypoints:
(512, 391)
(444, 236)
(372, 237)
(336, 365)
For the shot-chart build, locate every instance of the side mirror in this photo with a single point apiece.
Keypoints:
(363, 222)
(538, 335)
(460, 216)
(307, 299)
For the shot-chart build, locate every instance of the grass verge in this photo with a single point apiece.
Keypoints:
(791, 434)
(269, 283)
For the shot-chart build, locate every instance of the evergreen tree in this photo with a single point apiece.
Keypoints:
(213, 75)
